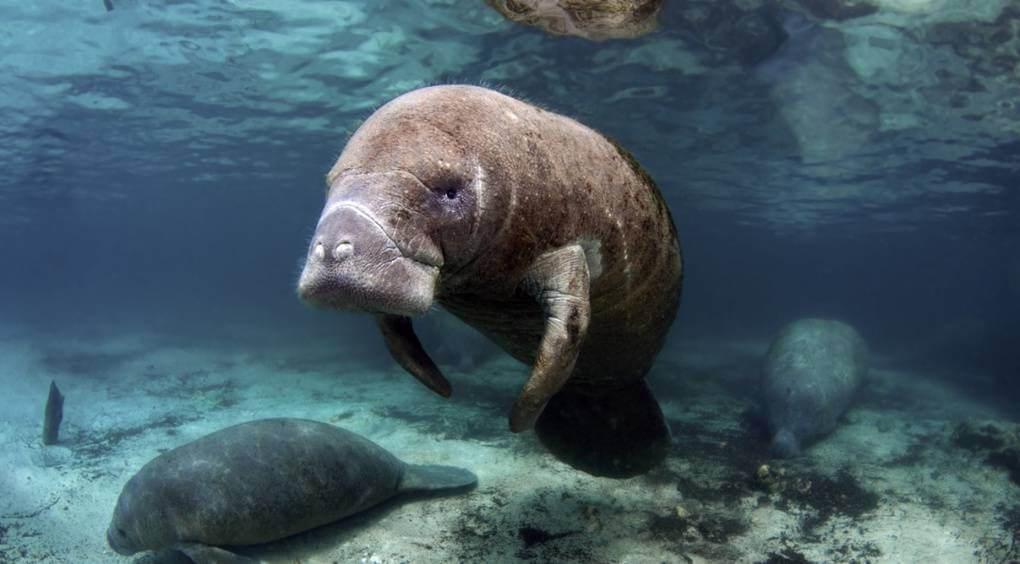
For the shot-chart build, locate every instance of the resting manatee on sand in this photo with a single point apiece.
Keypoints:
(813, 370)
(258, 482)
(539, 232)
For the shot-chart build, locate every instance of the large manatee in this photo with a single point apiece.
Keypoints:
(812, 373)
(539, 232)
(258, 482)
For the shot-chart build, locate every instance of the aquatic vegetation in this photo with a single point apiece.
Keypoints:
(1000, 447)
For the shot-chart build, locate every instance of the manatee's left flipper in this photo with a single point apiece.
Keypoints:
(406, 349)
(559, 281)
(205, 554)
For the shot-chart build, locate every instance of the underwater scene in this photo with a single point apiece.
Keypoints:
(484, 281)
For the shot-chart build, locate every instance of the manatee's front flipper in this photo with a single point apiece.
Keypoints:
(434, 477)
(559, 281)
(408, 352)
(204, 554)
(619, 434)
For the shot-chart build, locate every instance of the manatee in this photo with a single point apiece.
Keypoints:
(542, 234)
(590, 19)
(812, 373)
(258, 482)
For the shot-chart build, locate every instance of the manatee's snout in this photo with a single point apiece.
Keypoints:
(336, 236)
(354, 264)
(118, 541)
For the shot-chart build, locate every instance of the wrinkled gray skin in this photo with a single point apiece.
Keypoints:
(258, 482)
(812, 372)
(534, 229)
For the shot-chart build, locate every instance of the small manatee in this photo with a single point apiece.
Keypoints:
(812, 373)
(258, 482)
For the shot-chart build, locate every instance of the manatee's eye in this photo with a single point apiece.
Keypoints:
(449, 187)
(121, 532)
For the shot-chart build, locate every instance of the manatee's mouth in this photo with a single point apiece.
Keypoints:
(354, 264)
(338, 293)
(113, 539)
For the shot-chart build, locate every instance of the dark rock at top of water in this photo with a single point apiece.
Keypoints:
(590, 19)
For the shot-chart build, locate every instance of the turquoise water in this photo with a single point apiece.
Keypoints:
(165, 167)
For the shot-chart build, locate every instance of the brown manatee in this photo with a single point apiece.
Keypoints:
(258, 482)
(539, 232)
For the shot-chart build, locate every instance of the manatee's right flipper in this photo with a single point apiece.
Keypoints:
(559, 281)
(205, 554)
(406, 349)
(434, 477)
(619, 434)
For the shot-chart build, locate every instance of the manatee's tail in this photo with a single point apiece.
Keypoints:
(433, 478)
(784, 444)
(618, 434)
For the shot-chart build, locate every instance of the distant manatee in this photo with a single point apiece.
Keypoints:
(258, 482)
(812, 372)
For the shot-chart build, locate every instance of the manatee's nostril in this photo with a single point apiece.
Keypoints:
(320, 251)
(344, 250)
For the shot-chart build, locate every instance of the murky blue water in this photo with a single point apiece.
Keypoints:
(164, 163)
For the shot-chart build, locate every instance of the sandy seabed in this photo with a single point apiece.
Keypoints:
(905, 479)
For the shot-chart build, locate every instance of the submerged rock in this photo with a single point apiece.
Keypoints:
(590, 19)
(812, 372)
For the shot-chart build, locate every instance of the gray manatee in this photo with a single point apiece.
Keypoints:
(258, 482)
(812, 372)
